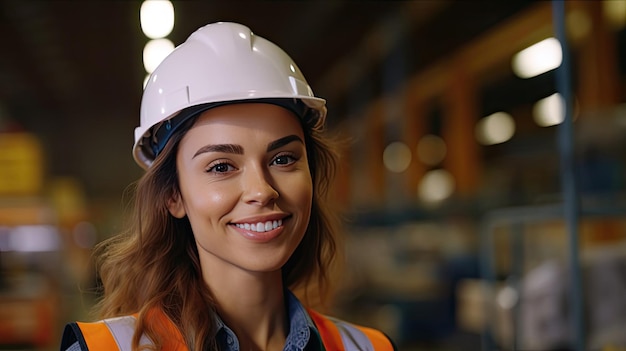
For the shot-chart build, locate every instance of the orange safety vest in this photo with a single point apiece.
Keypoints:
(336, 335)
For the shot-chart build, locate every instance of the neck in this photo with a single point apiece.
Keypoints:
(252, 304)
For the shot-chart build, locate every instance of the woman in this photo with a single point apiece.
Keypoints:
(231, 214)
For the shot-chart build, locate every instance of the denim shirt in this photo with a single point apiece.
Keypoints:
(303, 335)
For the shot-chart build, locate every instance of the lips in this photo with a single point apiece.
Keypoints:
(260, 227)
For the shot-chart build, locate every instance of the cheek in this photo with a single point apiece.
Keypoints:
(307, 193)
(210, 200)
(298, 191)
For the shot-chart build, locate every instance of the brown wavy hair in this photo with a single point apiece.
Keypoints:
(153, 265)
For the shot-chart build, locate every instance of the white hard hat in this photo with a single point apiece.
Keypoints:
(220, 63)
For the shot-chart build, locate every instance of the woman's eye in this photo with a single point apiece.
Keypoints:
(221, 168)
(283, 160)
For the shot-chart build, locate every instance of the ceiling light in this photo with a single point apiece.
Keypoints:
(549, 111)
(154, 52)
(436, 185)
(539, 58)
(495, 128)
(157, 18)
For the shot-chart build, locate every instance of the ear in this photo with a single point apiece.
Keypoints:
(175, 205)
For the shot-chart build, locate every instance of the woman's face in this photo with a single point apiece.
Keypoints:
(245, 186)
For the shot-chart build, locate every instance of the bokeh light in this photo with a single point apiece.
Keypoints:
(495, 129)
(157, 18)
(397, 157)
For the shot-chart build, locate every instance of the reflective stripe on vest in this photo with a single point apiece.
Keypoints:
(117, 334)
(338, 335)
(111, 334)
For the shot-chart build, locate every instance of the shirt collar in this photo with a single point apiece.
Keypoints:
(302, 330)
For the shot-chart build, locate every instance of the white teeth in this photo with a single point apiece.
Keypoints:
(260, 227)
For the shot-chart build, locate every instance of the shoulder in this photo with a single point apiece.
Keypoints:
(117, 333)
(106, 334)
(72, 339)
(349, 336)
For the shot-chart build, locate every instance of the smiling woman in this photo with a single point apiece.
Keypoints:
(231, 218)
(257, 174)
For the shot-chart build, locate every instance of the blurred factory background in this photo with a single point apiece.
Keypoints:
(463, 232)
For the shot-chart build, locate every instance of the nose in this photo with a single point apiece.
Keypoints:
(257, 187)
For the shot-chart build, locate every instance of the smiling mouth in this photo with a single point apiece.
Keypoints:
(260, 227)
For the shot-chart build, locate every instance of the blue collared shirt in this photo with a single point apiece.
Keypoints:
(303, 335)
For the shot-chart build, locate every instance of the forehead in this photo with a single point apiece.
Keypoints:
(257, 116)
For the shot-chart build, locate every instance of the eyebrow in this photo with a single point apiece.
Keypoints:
(283, 141)
(238, 149)
(225, 148)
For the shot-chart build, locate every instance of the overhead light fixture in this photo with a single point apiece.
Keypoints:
(155, 51)
(495, 128)
(436, 186)
(539, 58)
(157, 18)
(549, 111)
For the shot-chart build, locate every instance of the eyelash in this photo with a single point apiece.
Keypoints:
(216, 164)
(292, 159)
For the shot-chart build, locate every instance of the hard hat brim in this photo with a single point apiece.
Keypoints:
(154, 140)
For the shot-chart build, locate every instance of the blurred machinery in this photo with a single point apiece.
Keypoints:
(40, 253)
(28, 244)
